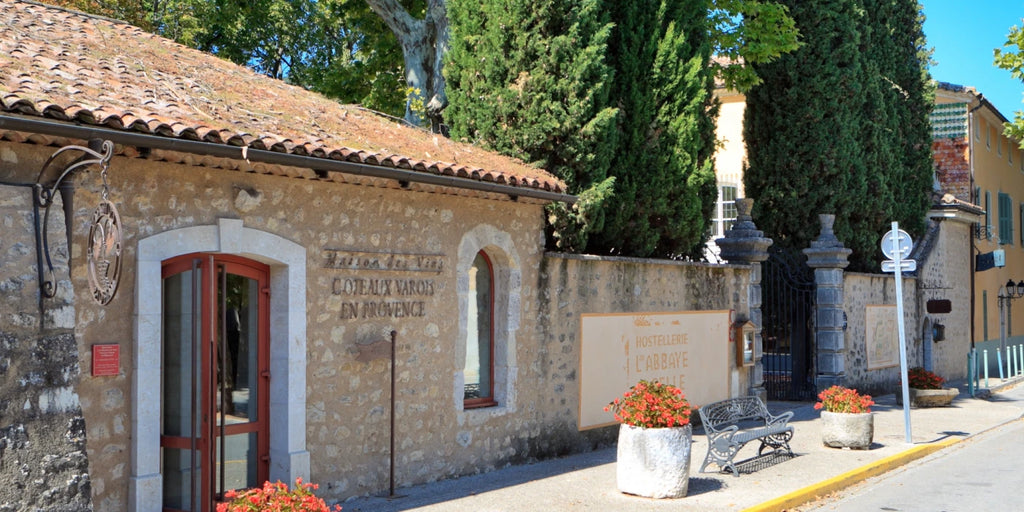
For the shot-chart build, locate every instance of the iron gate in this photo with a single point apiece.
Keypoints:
(787, 332)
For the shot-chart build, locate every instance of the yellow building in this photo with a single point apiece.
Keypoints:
(977, 163)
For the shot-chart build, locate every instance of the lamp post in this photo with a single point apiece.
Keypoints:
(1007, 293)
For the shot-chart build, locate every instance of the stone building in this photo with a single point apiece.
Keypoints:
(208, 273)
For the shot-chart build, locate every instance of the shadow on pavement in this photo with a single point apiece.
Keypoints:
(452, 489)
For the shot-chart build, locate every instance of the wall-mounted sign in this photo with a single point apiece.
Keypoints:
(939, 306)
(374, 286)
(881, 337)
(106, 360)
(745, 343)
(689, 350)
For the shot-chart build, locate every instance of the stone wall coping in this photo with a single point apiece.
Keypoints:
(643, 261)
(891, 276)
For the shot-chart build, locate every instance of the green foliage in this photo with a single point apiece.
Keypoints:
(338, 48)
(570, 225)
(528, 78)
(546, 91)
(665, 183)
(841, 126)
(748, 32)
(911, 95)
(1010, 58)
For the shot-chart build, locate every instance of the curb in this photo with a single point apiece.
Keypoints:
(820, 489)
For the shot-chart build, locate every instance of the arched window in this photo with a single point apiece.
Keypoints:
(479, 368)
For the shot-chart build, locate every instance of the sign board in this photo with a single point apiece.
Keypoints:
(880, 336)
(937, 306)
(999, 258)
(896, 240)
(689, 350)
(106, 360)
(984, 262)
(905, 265)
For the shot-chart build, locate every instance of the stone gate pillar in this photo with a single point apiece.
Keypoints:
(744, 244)
(828, 258)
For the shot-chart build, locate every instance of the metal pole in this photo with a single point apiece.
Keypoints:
(1002, 332)
(897, 257)
(999, 363)
(1020, 359)
(977, 369)
(970, 373)
(984, 362)
(391, 466)
(1013, 360)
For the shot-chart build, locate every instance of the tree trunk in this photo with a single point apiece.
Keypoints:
(423, 43)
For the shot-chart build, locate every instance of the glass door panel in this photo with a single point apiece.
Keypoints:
(238, 462)
(215, 379)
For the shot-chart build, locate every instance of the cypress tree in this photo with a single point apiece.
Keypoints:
(528, 78)
(841, 126)
(802, 128)
(665, 183)
(913, 95)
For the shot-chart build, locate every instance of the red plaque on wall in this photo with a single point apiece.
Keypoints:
(106, 359)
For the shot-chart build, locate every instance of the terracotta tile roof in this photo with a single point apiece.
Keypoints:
(72, 67)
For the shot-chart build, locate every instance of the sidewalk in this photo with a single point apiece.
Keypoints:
(587, 481)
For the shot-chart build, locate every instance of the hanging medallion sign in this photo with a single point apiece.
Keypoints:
(104, 252)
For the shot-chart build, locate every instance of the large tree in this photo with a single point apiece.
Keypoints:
(665, 182)
(802, 127)
(538, 92)
(841, 126)
(912, 96)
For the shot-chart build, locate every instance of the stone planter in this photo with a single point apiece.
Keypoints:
(846, 430)
(654, 462)
(928, 397)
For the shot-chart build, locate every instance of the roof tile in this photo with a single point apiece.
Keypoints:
(70, 66)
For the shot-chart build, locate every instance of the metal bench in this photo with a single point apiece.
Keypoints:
(730, 424)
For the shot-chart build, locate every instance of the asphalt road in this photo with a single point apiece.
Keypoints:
(981, 473)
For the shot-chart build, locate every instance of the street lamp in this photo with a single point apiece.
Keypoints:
(1007, 293)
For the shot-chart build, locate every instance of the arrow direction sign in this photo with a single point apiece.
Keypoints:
(905, 265)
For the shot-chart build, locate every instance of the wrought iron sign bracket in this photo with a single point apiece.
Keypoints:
(44, 193)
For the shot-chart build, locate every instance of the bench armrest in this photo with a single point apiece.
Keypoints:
(782, 418)
(726, 433)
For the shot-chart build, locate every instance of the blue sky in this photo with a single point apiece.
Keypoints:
(963, 34)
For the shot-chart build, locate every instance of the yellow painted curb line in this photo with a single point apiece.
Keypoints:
(809, 493)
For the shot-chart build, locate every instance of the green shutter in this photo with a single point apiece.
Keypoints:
(1005, 219)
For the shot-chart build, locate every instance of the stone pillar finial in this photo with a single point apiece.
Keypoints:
(827, 251)
(744, 243)
(828, 257)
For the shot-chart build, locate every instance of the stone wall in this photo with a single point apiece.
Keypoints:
(861, 291)
(343, 400)
(43, 462)
(944, 274)
(571, 285)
